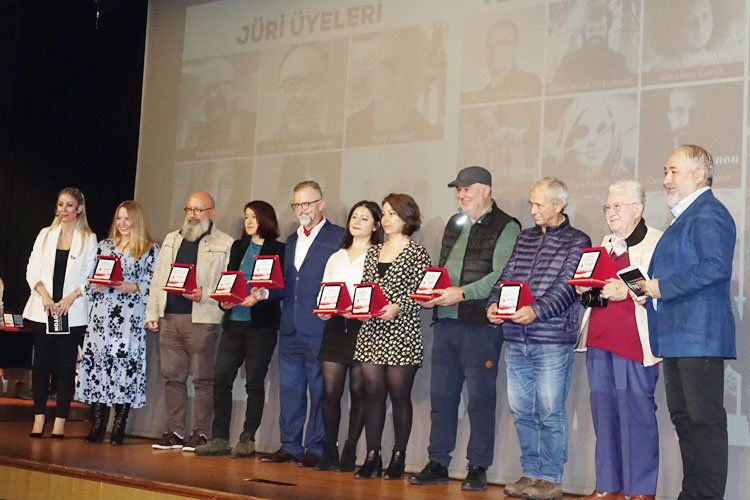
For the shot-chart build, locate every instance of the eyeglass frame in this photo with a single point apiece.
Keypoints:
(196, 211)
(616, 207)
(303, 205)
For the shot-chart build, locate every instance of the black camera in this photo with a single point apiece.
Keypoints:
(593, 298)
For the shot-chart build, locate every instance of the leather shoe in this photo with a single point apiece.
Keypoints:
(603, 495)
(642, 497)
(308, 460)
(278, 457)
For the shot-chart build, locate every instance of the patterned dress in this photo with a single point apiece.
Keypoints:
(112, 369)
(397, 342)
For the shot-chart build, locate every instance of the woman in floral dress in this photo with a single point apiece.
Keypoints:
(112, 370)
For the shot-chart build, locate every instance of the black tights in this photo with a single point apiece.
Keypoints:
(396, 382)
(334, 377)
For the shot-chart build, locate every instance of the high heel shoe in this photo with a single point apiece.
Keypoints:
(37, 419)
(59, 425)
(100, 413)
(118, 428)
(396, 467)
(348, 457)
(372, 468)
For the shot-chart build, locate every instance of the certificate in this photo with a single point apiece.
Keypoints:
(230, 288)
(108, 271)
(594, 268)
(266, 272)
(368, 301)
(181, 279)
(513, 296)
(435, 278)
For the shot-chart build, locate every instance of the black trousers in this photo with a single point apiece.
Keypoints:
(240, 343)
(54, 354)
(695, 398)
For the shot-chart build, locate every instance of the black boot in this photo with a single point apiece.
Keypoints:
(330, 458)
(348, 457)
(118, 428)
(100, 413)
(396, 467)
(372, 468)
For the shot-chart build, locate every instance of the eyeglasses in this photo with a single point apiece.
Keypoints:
(196, 211)
(293, 84)
(616, 207)
(304, 205)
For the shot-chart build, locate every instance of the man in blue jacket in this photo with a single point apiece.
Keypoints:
(690, 318)
(300, 333)
(539, 339)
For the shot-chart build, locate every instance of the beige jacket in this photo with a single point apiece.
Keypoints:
(213, 255)
(639, 254)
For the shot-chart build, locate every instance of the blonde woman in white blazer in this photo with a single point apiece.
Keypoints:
(621, 368)
(60, 264)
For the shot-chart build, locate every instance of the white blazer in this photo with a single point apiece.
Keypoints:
(41, 267)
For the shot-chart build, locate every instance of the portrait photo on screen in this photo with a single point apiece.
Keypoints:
(503, 56)
(300, 103)
(592, 45)
(504, 139)
(228, 181)
(590, 140)
(397, 84)
(705, 39)
(707, 115)
(216, 112)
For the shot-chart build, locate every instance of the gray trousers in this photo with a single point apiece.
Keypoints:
(187, 348)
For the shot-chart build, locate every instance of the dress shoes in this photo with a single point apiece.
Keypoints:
(278, 457)
(603, 495)
(308, 460)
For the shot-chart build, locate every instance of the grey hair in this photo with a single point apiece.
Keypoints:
(308, 184)
(699, 157)
(557, 189)
(633, 186)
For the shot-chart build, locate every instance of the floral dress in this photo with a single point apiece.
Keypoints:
(112, 369)
(397, 342)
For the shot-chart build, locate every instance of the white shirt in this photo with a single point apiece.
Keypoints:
(684, 203)
(340, 268)
(304, 243)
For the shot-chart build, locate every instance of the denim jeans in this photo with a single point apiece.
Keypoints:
(538, 382)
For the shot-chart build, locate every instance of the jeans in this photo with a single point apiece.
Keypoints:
(463, 351)
(538, 382)
(241, 343)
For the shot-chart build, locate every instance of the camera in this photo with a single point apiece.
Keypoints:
(593, 298)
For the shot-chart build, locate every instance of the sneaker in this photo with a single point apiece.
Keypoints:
(245, 447)
(214, 447)
(169, 441)
(543, 490)
(516, 489)
(476, 479)
(433, 473)
(195, 440)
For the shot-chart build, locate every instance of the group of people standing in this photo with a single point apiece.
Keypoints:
(681, 319)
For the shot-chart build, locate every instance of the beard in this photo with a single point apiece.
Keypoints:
(192, 230)
(672, 200)
(305, 219)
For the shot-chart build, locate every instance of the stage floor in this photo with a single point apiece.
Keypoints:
(137, 465)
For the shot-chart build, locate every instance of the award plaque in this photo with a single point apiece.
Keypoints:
(368, 301)
(266, 272)
(333, 299)
(435, 278)
(594, 268)
(230, 288)
(631, 276)
(181, 279)
(108, 271)
(513, 296)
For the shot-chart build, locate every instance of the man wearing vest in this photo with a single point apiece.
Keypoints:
(477, 243)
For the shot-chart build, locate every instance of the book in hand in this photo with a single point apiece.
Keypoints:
(266, 272)
(181, 278)
(108, 271)
(594, 268)
(368, 301)
(57, 324)
(230, 288)
(631, 275)
(513, 296)
(435, 278)
(333, 299)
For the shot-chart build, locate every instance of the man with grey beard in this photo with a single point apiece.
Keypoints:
(188, 323)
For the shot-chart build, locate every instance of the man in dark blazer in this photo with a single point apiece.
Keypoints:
(690, 318)
(307, 251)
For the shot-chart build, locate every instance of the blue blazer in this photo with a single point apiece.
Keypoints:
(301, 287)
(693, 262)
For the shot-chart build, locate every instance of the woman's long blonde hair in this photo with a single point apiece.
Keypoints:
(140, 240)
(82, 223)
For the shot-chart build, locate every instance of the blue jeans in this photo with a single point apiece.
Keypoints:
(538, 382)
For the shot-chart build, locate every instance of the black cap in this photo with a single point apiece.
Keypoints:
(472, 175)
